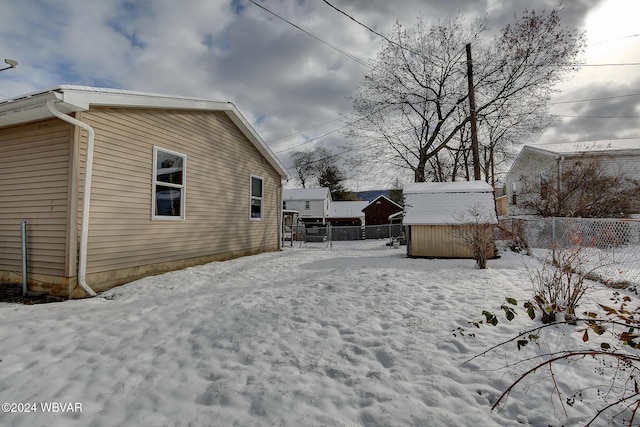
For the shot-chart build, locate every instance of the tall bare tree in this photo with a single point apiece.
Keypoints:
(320, 167)
(303, 163)
(414, 103)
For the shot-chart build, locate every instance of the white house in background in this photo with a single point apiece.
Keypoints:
(313, 204)
(543, 163)
(433, 211)
(347, 213)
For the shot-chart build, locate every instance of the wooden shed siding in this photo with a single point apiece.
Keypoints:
(34, 187)
(219, 163)
(436, 241)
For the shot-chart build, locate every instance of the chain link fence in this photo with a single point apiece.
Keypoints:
(332, 233)
(610, 247)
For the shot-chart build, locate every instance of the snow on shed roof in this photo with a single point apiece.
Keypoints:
(320, 193)
(448, 187)
(381, 197)
(442, 203)
(348, 209)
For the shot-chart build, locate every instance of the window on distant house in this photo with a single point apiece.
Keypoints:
(168, 184)
(307, 204)
(256, 197)
(544, 186)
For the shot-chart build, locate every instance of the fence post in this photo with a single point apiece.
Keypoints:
(553, 238)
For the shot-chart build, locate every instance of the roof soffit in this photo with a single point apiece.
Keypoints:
(32, 107)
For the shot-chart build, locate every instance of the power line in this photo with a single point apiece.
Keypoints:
(301, 131)
(314, 139)
(613, 40)
(361, 24)
(595, 99)
(358, 60)
(599, 117)
(330, 132)
(620, 64)
(372, 30)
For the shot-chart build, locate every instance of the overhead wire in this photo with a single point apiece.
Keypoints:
(347, 54)
(301, 131)
(358, 60)
(613, 40)
(363, 25)
(347, 124)
(313, 139)
(597, 117)
(595, 99)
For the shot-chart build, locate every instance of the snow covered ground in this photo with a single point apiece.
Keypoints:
(356, 335)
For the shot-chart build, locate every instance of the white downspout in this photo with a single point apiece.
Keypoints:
(281, 219)
(84, 228)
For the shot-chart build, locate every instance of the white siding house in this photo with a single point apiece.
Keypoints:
(313, 204)
(539, 162)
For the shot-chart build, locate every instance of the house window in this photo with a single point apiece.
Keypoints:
(256, 197)
(307, 204)
(544, 186)
(168, 184)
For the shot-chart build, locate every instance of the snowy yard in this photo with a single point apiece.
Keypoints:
(357, 335)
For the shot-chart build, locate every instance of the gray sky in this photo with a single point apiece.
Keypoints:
(293, 88)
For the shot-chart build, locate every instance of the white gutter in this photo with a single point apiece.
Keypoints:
(84, 228)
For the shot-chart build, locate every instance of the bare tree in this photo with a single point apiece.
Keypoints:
(414, 103)
(322, 168)
(476, 230)
(303, 163)
(505, 130)
(585, 189)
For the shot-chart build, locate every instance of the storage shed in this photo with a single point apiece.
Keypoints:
(347, 213)
(433, 211)
(115, 185)
(379, 210)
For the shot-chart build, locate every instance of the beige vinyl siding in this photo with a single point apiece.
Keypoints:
(436, 241)
(34, 188)
(219, 163)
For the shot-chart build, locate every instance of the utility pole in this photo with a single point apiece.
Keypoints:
(474, 127)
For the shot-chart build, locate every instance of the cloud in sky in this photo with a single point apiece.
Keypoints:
(282, 79)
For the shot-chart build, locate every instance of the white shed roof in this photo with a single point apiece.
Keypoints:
(442, 203)
(319, 193)
(348, 209)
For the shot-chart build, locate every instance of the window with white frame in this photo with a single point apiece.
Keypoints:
(544, 186)
(257, 190)
(168, 184)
